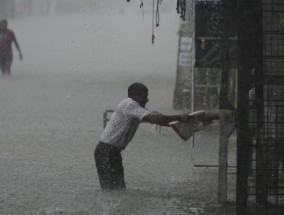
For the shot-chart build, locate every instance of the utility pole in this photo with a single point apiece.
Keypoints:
(183, 96)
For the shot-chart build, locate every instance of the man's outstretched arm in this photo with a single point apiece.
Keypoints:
(164, 120)
(205, 117)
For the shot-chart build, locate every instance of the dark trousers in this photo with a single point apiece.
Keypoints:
(109, 166)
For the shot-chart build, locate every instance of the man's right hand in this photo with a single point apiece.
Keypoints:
(185, 118)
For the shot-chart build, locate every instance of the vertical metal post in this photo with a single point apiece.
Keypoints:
(193, 57)
(222, 166)
(246, 63)
(224, 103)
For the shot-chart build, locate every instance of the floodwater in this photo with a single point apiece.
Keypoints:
(51, 117)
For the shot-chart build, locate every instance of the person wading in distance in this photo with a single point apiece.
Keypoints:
(7, 37)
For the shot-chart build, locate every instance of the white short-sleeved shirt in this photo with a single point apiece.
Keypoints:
(123, 123)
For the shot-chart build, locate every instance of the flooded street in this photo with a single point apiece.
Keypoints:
(51, 117)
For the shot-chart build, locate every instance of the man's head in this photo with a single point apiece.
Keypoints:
(3, 24)
(139, 93)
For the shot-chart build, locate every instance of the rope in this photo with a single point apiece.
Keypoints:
(153, 17)
(181, 8)
(141, 6)
(178, 6)
(158, 14)
(157, 18)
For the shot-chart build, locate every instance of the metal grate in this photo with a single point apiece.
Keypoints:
(273, 37)
(266, 178)
(265, 183)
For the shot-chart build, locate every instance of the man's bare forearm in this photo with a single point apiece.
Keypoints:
(164, 120)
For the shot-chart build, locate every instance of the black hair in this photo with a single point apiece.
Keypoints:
(136, 89)
(4, 21)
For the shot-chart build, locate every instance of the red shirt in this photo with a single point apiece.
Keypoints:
(6, 38)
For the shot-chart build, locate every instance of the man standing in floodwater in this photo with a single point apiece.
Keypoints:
(121, 128)
(7, 37)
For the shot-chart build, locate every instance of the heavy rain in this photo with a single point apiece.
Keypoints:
(79, 57)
